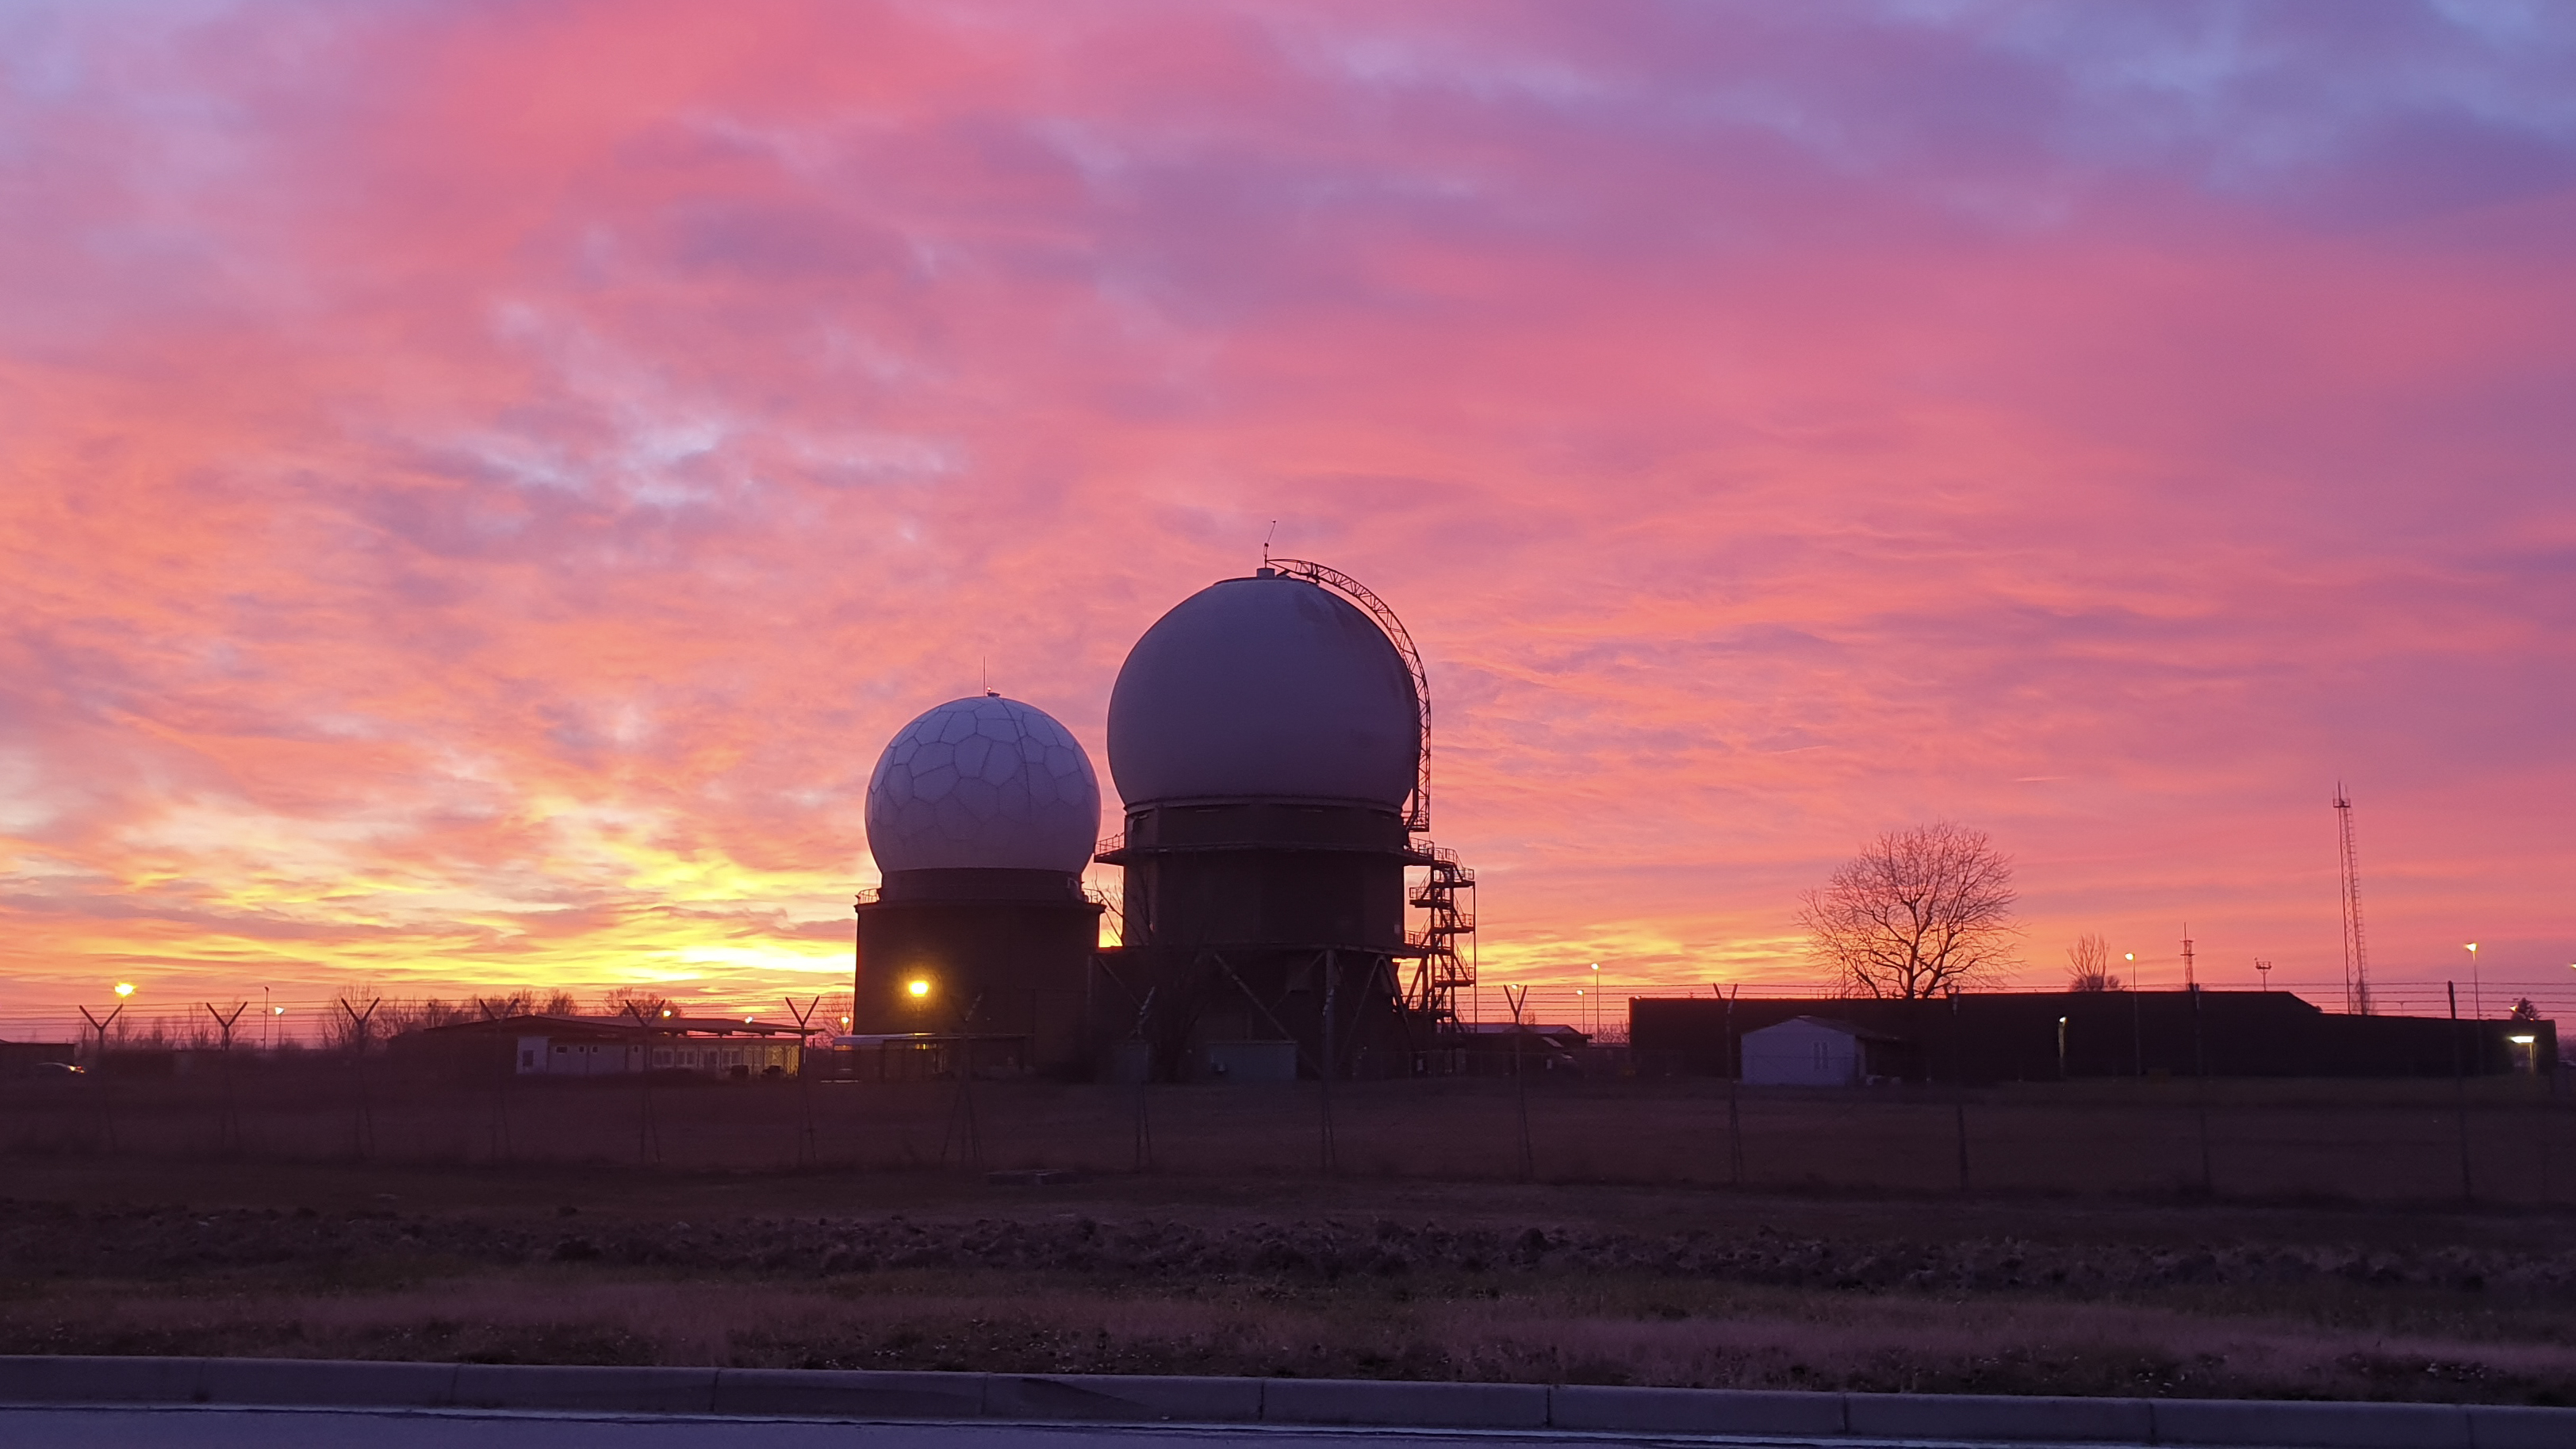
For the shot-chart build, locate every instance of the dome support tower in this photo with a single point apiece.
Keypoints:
(1269, 737)
(978, 945)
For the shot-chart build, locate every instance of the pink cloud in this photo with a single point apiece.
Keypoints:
(482, 484)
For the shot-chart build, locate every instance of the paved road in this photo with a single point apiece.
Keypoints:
(220, 1427)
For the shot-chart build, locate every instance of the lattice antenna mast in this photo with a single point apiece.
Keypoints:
(1418, 818)
(2356, 956)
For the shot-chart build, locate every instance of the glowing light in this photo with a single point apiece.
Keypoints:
(918, 987)
(125, 988)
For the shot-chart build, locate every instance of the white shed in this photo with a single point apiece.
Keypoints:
(1815, 1051)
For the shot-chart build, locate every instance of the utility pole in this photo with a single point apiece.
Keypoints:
(2190, 980)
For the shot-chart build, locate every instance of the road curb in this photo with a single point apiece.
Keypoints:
(1146, 1399)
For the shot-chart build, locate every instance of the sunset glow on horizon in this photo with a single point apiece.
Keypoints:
(482, 483)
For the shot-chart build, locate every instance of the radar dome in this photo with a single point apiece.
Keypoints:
(1270, 688)
(983, 783)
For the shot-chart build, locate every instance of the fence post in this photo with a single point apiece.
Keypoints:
(106, 1114)
(1959, 1094)
(1332, 986)
(228, 1125)
(2200, 1063)
(1144, 1079)
(2459, 1089)
(648, 1137)
(1734, 1078)
(806, 1151)
(363, 1130)
(1520, 1083)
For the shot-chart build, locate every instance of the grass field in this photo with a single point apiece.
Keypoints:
(2084, 1260)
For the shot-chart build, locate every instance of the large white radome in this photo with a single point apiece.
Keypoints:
(983, 783)
(1264, 688)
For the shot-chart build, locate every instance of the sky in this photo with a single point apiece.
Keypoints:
(480, 482)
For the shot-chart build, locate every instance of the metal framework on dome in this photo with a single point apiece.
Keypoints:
(1448, 964)
(1417, 819)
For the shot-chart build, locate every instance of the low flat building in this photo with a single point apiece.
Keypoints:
(23, 1058)
(601, 1046)
(2047, 1036)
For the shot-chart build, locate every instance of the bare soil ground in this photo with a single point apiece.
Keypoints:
(2004, 1290)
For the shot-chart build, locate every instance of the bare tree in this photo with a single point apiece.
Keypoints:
(399, 1017)
(641, 1001)
(1917, 913)
(2089, 964)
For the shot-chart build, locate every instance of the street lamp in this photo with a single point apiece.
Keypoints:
(1596, 998)
(2477, 994)
(125, 988)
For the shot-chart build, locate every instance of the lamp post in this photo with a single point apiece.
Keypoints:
(1596, 999)
(2477, 993)
(2137, 1017)
(2263, 970)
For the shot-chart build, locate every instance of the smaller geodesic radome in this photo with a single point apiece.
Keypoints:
(983, 783)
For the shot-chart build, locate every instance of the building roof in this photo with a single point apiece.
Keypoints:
(1832, 1024)
(615, 1027)
(1507, 1029)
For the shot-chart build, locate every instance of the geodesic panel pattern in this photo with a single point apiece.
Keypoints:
(983, 783)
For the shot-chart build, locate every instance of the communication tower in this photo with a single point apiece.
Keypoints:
(2356, 963)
